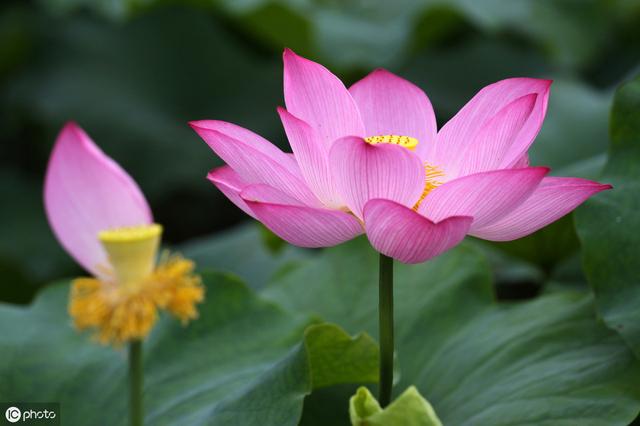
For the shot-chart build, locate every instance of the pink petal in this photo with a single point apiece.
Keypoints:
(248, 137)
(363, 171)
(316, 96)
(312, 156)
(492, 143)
(554, 198)
(86, 192)
(399, 232)
(462, 128)
(230, 184)
(390, 105)
(298, 224)
(255, 165)
(486, 196)
(267, 194)
(522, 162)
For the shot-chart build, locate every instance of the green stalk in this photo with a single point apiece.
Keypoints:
(385, 310)
(135, 383)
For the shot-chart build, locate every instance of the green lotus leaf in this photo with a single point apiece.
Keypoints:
(243, 362)
(608, 224)
(546, 361)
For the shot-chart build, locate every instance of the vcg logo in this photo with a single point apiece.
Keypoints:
(33, 413)
(13, 414)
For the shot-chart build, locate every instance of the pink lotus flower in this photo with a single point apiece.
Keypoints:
(102, 219)
(370, 159)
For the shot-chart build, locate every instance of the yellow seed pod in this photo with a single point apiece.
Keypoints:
(404, 141)
(132, 251)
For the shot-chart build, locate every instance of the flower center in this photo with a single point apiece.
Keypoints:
(404, 141)
(433, 173)
(128, 310)
(132, 251)
(120, 314)
(433, 179)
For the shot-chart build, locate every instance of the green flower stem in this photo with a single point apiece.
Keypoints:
(135, 382)
(385, 310)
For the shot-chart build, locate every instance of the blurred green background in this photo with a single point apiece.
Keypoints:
(132, 73)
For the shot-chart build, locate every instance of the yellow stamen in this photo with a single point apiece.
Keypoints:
(432, 181)
(132, 251)
(178, 289)
(404, 141)
(119, 314)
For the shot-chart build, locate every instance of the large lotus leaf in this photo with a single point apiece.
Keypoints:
(609, 225)
(243, 362)
(546, 361)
